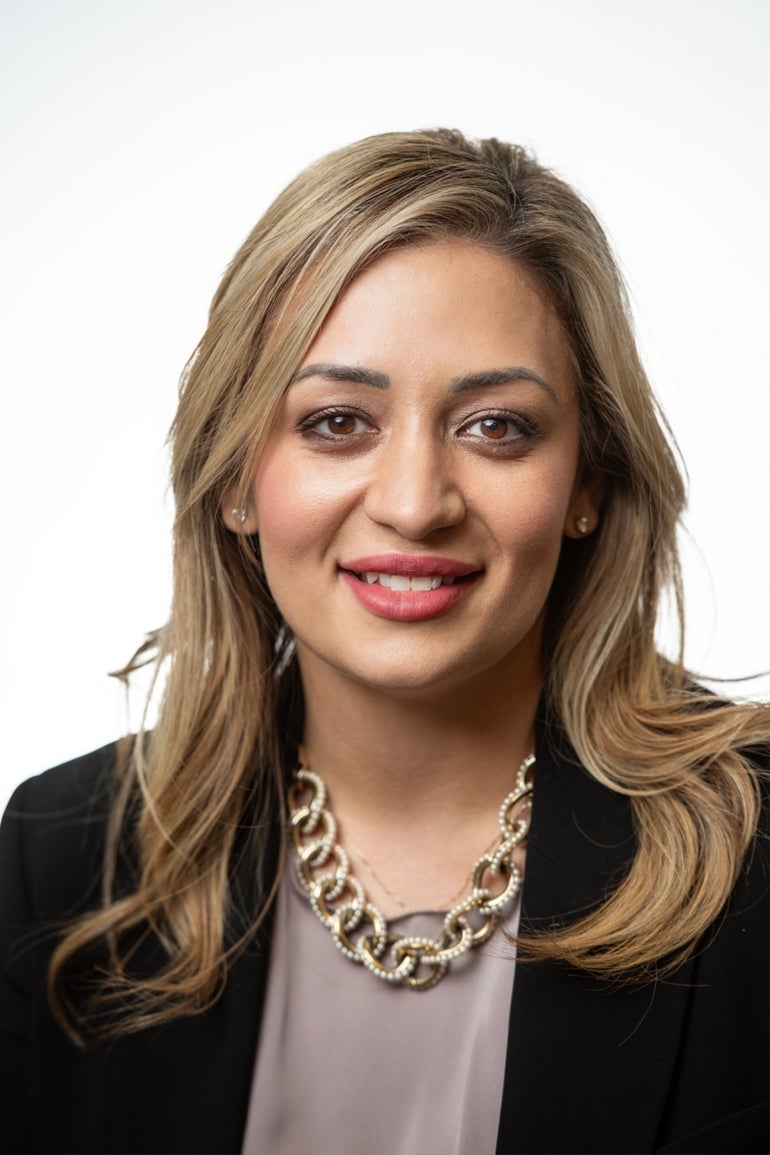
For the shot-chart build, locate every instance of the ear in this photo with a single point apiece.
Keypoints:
(238, 518)
(584, 512)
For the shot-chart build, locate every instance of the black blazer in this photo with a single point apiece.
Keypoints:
(676, 1066)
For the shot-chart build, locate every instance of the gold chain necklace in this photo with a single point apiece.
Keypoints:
(338, 898)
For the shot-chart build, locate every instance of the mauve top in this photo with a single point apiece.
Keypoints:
(348, 1063)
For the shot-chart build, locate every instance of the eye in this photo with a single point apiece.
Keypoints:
(340, 423)
(334, 424)
(495, 428)
(503, 429)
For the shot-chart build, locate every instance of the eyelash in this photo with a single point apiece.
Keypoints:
(309, 426)
(526, 431)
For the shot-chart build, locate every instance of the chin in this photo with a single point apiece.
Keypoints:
(415, 675)
(400, 676)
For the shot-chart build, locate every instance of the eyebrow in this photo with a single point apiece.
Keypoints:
(486, 377)
(350, 373)
(500, 377)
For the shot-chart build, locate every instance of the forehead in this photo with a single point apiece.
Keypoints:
(461, 305)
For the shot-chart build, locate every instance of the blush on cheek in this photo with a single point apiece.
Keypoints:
(285, 514)
(297, 515)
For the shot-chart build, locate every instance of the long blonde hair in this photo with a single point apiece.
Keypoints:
(207, 784)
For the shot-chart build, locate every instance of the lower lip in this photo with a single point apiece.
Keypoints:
(407, 605)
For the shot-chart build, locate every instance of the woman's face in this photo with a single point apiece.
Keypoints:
(413, 495)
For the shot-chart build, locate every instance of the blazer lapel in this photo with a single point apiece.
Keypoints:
(588, 1065)
(188, 1089)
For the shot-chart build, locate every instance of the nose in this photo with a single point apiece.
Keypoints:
(414, 488)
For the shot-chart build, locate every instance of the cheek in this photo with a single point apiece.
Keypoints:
(531, 517)
(282, 521)
(530, 536)
(296, 509)
(534, 549)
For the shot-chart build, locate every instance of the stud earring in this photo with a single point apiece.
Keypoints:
(581, 524)
(239, 514)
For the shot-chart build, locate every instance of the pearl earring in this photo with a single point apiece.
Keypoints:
(239, 514)
(581, 524)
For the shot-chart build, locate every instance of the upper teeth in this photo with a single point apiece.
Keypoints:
(399, 581)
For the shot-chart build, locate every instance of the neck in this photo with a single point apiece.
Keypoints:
(397, 750)
(375, 747)
(416, 780)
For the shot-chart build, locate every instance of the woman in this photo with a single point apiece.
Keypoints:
(426, 513)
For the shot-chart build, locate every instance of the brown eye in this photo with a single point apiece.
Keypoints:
(512, 431)
(341, 423)
(335, 425)
(493, 427)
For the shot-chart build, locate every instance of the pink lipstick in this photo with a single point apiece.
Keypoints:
(408, 587)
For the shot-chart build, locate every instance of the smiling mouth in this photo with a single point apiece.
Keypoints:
(404, 582)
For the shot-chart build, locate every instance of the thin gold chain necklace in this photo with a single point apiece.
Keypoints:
(445, 903)
(339, 902)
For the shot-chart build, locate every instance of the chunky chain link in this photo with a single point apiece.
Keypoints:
(358, 928)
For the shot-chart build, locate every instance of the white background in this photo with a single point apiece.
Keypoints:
(142, 140)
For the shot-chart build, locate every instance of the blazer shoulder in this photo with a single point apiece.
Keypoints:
(65, 787)
(52, 836)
